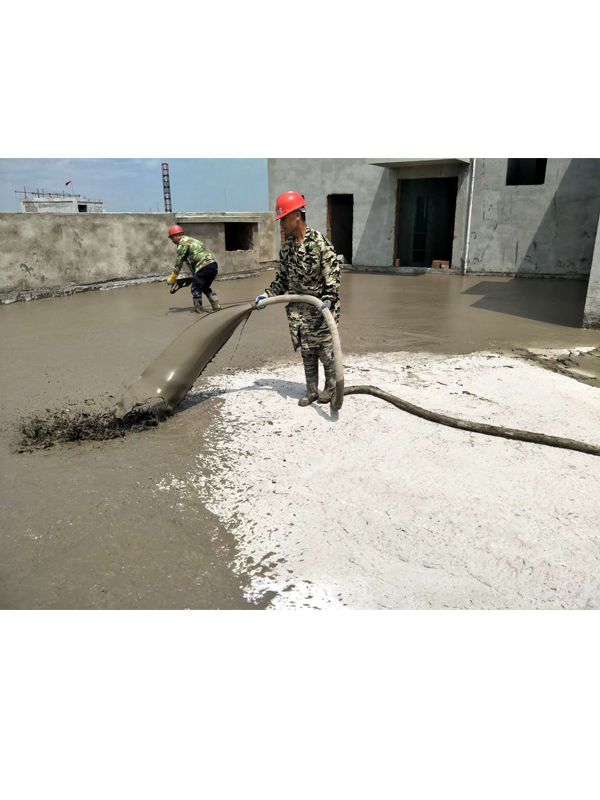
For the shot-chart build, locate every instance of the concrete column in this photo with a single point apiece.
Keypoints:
(591, 315)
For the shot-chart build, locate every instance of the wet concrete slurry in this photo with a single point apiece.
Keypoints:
(84, 525)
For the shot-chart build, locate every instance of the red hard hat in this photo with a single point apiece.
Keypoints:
(174, 230)
(288, 202)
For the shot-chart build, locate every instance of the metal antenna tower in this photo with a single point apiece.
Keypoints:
(166, 187)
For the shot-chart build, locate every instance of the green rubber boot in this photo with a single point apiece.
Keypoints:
(326, 358)
(311, 373)
(310, 396)
(214, 301)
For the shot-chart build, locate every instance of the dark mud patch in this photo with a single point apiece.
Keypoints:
(581, 365)
(42, 431)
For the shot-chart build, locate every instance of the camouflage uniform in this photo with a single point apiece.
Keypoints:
(193, 253)
(201, 263)
(310, 267)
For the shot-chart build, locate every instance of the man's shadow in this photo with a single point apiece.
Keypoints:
(287, 390)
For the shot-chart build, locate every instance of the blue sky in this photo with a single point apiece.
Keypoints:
(135, 184)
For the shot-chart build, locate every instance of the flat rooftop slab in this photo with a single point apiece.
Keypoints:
(87, 526)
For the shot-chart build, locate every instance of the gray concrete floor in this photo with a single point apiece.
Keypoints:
(84, 526)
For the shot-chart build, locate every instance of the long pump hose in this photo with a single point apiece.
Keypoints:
(433, 416)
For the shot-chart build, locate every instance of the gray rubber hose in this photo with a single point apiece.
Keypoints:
(336, 402)
(432, 416)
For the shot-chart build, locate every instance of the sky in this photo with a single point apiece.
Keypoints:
(135, 184)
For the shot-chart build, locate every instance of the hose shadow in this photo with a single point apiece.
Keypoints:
(287, 390)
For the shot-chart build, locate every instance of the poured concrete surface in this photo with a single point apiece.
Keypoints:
(85, 525)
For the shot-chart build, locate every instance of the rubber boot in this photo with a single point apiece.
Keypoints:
(214, 301)
(328, 393)
(198, 306)
(311, 372)
(311, 395)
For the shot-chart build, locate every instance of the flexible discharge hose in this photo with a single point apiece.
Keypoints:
(432, 416)
(336, 402)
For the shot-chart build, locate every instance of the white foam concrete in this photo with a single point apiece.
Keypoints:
(380, 509)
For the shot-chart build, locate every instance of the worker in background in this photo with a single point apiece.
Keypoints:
(307, 265)
(201, 263)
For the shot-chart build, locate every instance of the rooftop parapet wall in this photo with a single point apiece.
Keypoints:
(39, 251)
(42, 250)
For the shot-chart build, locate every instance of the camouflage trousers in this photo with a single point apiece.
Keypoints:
(308, 328)
(311, 358)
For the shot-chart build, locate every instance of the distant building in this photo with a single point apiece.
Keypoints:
(62, 204)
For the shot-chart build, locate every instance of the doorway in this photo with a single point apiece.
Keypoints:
(425, 224)
(340, 219)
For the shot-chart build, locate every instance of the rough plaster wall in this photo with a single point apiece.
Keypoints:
(591, 317)
(56, 207)
(460, 220)
(212, 234)
(535, 230)
(267, 237)
(68, 205)
(230, 261)
(374, 190)
(42, 250)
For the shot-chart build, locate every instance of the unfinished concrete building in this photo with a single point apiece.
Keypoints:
(520, 217)
(62, 204)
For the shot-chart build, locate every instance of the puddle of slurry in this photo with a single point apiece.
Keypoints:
(173, 371)
(42, 431)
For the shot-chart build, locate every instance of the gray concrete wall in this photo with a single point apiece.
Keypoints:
(591, 316)
(43, 250)
(210, 228)
(264, 232)
(374, 190)
(546, 230)
(39, 251)
(213, 235)
(375, 197)
(267, 237)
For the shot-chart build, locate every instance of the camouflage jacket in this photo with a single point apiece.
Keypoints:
(193, 253)
(310, 267)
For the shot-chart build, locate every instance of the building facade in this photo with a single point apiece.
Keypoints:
(484, 216)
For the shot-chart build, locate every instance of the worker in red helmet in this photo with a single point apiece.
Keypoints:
(201, 263)
(309, 265)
